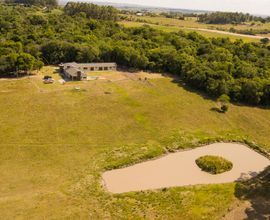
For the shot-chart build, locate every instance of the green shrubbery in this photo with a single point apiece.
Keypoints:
(91, 10)
(41, 3)
(224, 101)
(230, 18)
(214, 164)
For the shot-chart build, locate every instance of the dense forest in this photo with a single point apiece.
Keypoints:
(31, 37)
(91, 10)
(229, 18)
(44, 3)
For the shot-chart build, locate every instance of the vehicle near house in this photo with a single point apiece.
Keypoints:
(48, 80)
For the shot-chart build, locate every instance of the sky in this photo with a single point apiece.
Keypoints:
(261, 7)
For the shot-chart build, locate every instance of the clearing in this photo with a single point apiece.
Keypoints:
(57, 141)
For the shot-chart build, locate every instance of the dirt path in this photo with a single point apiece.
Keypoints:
(180, 169)
(229, 33)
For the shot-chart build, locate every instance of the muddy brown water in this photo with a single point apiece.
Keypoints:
(180, 169)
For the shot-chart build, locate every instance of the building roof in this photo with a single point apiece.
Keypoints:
(95, 64)
(81, 65)
(72, 71)
(66, 65)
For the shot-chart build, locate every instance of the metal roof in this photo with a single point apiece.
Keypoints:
(95, 64)
(72, 71)
(81, 65)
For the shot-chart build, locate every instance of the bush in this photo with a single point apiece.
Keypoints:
(224, 101)
(224, 98)
(214, 164)
(265, 40)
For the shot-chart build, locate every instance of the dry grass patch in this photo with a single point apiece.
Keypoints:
(51, 140)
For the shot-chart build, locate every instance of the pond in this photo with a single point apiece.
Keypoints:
(180, 169)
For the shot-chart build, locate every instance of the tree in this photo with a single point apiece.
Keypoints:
(8, 64)
(87, 54)
(227, 18)
(265, 40)
(252, 91)
(25, 62)
(224, 101)
(56, 52)
(91, 10)
(15, 63)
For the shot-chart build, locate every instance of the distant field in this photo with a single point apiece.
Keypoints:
(192, 22)
(170, 24)
(176, 28)
(56, 141)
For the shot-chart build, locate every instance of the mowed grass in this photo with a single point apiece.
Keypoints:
(172, 28)
(56, 141)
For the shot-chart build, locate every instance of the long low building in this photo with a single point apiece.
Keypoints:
(76, 71)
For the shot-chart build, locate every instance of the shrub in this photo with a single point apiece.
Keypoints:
(265, 40)
(224, 100)
(214, 164)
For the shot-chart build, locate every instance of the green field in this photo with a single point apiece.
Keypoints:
(172, 28)
(172, 25)
(192, 23)
(56, 141)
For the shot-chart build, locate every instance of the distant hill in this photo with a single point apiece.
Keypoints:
(135, 7)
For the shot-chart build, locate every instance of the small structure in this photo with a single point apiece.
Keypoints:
(76, 71)
(139, 14)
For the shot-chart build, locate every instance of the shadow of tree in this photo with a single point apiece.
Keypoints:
(216, 109)
(177, 80)
(247, 176)
(14, 75)
(257, 192)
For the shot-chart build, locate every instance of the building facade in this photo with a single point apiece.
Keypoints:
(76, 71)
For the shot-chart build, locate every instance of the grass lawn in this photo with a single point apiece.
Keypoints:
(56, 142)
(173, 28)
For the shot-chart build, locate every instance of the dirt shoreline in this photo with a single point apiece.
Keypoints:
(180, 169)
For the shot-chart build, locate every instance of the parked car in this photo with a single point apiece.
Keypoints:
(48, 79)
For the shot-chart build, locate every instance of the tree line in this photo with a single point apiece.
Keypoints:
(44, 3)
(229, 18)
(91, 10)
(31, 37)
